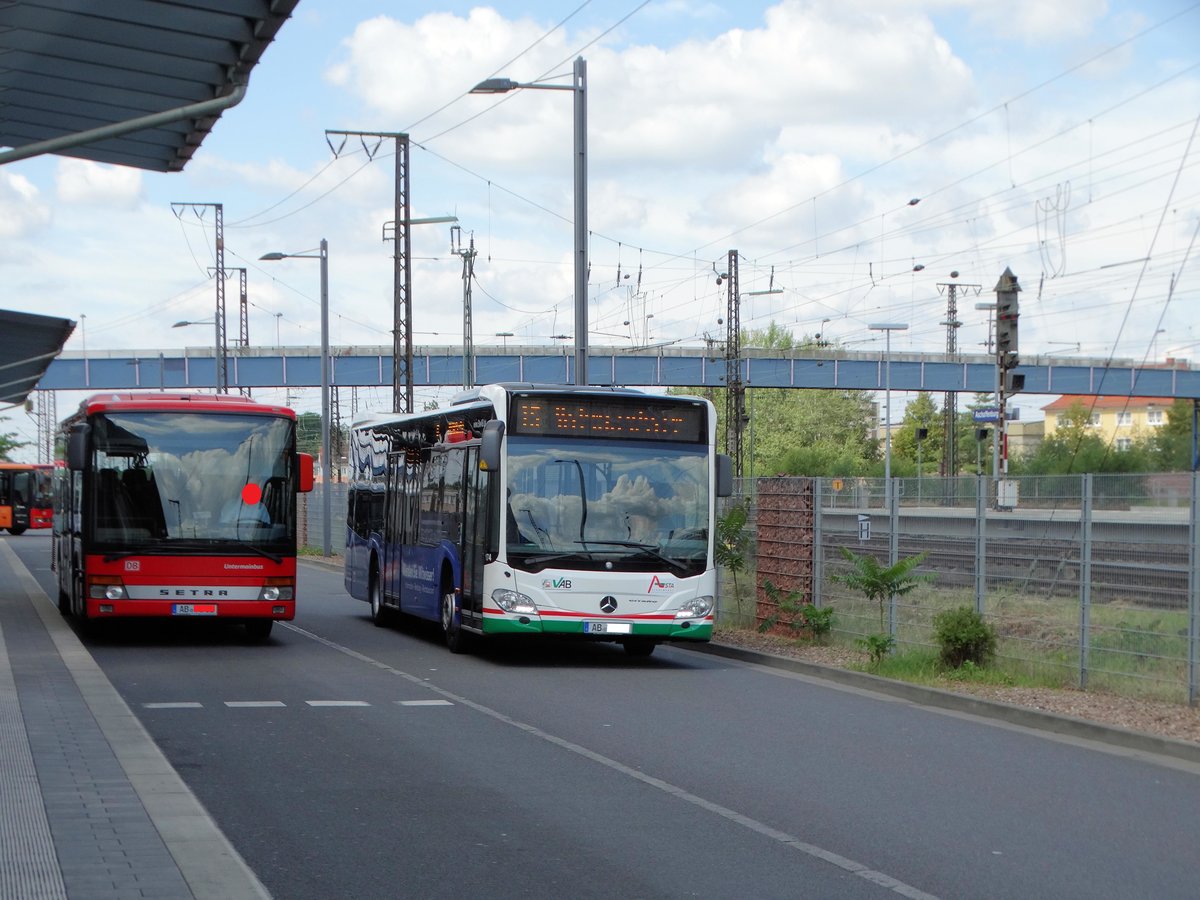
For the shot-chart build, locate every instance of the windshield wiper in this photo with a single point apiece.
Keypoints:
(648, 549)
(551, 557)
(208, 544)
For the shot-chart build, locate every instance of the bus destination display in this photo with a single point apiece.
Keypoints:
(602, 417)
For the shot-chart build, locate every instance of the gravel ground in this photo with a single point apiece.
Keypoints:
(1173, 720)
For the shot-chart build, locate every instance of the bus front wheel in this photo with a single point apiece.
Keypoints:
(258, 630)
(639, 648)
(378, 610)
(456, 638)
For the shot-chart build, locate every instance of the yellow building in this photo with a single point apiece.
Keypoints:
(1117, 420)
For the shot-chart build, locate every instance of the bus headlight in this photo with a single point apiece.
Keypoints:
(277, 589)
(106, 587)
(514, 602)
(696, 608)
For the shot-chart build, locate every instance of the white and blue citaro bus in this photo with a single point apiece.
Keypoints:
(540, 509)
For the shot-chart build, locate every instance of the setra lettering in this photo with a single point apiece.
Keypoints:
(192, 592)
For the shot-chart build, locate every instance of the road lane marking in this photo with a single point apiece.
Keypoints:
(424, 703)
(846, 864)
(253, 704)
(337, 702)
(190, 704)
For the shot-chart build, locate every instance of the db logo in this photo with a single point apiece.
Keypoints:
(133, 565)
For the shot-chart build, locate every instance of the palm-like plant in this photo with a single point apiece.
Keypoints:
(879, 582)
(729, 548)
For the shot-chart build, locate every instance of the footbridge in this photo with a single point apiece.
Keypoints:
(655, 367)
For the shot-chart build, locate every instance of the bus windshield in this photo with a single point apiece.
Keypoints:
(180, 481)
(631, 505)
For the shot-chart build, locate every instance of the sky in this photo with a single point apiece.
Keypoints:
(1055, 139)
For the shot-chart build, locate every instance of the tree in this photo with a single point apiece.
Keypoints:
(1170, 446)
(8, 443)
(794, 430)
(1075, 448)
(920, 413)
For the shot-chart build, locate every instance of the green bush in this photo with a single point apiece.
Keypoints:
(964, 637)
(877, 646)
(795, 614)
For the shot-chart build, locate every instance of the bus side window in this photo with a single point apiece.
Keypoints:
(452, 496)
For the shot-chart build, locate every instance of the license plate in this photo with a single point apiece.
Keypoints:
(194, 609)
(607, 628)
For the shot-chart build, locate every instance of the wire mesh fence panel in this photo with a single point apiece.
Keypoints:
(1086, 579)
(310, 517)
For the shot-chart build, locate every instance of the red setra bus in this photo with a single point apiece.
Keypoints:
(179, 505)
(26, 496)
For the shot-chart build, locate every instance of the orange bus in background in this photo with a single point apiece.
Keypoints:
(26, 496)
(179, 505)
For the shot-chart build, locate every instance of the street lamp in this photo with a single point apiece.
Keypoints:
(322, 254)
(216, 356)
(579, 87)
(887, 328)
(504, 336)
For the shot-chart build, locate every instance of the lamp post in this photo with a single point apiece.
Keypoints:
(889, 489)
(326, 463)
(216, 355)
(579, 87)
(504, 336)
(887, 328)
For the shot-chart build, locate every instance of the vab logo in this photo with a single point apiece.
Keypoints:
(608, 604)
(133, 565)
(562, 584)
(657, 584)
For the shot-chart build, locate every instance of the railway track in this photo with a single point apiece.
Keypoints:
(1154, 576)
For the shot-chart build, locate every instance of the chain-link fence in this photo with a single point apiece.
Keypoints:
(1089, 579)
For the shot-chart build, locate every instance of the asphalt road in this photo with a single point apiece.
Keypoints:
(343, 759)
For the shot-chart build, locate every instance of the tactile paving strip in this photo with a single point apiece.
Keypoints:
(28, 864)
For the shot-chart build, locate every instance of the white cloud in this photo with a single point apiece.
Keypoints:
(92, 184)
(1038, 21)
(22, 209)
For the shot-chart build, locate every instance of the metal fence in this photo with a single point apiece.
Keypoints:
(309, 511)
(1091, 579)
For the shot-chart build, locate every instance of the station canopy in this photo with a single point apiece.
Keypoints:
(135, 83)
(131, 82)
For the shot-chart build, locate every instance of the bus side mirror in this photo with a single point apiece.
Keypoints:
(77, 447)
(724, 475)
(304, 465)
(489, 448)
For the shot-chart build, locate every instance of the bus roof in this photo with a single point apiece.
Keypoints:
(168, 401)
(516, 387)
